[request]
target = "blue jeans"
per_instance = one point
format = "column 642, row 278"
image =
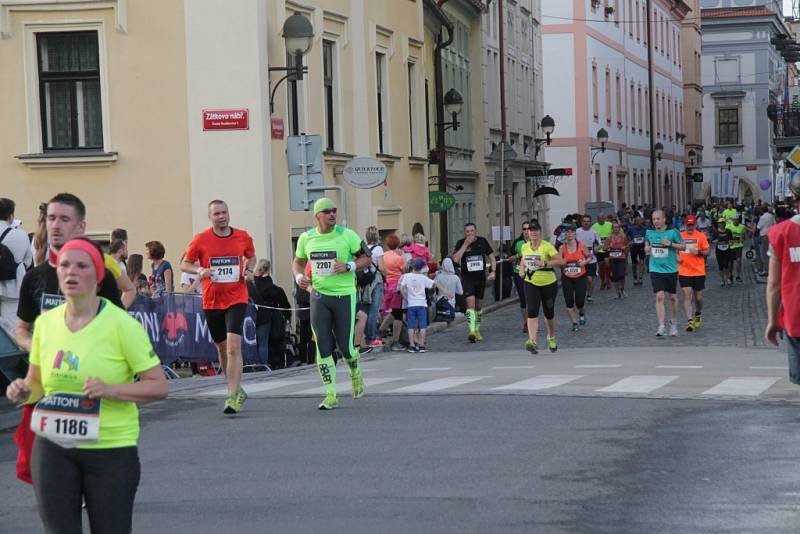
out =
column 371, row 330
column 262, row 342
column 793, row 344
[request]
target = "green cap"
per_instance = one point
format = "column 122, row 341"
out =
column 323, row 204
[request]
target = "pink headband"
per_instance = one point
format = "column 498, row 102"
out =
column 91, row 250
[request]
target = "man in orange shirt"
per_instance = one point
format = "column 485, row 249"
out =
column 226, row 256
column 692, row 271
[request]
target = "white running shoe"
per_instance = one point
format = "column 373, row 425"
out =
column 662, row 331
column 673, row 330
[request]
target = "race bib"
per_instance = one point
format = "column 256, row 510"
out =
column 322, row 262
column 533, row 262
column 50, row 301
column 659, row 252
column 67, row 419
column 615, row 253
column 225, row 269
column 572, row 269
column 691, row 246
column 638, row 240
column 475, row 264
column 722, row 246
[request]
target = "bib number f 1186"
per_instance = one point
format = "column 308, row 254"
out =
column 225, row 269
column 67, row 419
column 572, row 269
column 322, row 262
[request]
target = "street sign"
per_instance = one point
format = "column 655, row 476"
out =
column 440, row 201
column 697, row 177
column 503, row 151
column 297, row 186
column 794, row 157
column 226, row 119
column 277, row 129
column 364, row 173
column 304, row 150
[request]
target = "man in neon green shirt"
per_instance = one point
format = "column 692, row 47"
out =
column 739, row 232
column 729, row 212
column 336, row 253
column 603, row 229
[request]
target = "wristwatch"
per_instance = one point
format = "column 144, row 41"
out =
column 351, row 266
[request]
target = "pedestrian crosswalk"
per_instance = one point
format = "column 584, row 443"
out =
column 600, row 383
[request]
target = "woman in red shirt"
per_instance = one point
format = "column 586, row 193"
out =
column 573, row 276
column 394, row 262
column 617, row 246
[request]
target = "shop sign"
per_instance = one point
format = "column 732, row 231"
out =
column 440, row 201
column 364, row 173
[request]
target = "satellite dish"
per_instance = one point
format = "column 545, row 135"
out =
column 545, row 190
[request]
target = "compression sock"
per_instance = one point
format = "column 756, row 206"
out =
column 327, row 371
column 353, row 366
column 473, row 319
column 478, row 316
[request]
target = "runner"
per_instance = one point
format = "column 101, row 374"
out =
column 739, row 232
column 590, row 240
column 636, row 233
column 518, row 282
column 729, row 212
column 335, row 253
column 661, row 244
column 83, row 359
column 722, row 250
column 617, row 245
column 783, row 289
column 603, row 229
column 471, row 253
column 221, row 251
column 541, row 287
column 574, row 279
column 692, row 272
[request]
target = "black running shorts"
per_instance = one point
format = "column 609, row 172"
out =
column 697, row 283
column 667, row 282
column 591, row 270
column 474, row 286
column 227, row 321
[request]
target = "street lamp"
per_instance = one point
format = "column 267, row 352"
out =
column 453, row 103
column 298, row 35
column 548, row 125
column 602, row 138
column 692, row 154
column 659, row 149
column 729, row 162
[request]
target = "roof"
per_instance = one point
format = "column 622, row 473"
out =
column 737, row 12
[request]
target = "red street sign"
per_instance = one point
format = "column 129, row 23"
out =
column 751, row 168
column 277, row 129
column 226, row 119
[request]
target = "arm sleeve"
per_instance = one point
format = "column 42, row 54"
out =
column 300, row 251
column 136, row 347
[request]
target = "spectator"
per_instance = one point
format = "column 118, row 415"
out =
column 392, row 299
column 120, row 234
column 405, row 247
column 419, row 251
column 445, row 307
column 161, row 280
column 372, row 238
column 307, row 350
column 764, row 223
column 118, row 249
column 39, row 241
column 270, row 322
column 190, row 283
column 17, row 260
column 135, row 266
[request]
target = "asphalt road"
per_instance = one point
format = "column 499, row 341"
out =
column 459, row 464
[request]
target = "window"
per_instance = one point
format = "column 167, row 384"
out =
column 598, row 186
column 728, row 126
column 595, row 96
column 647, row 106
column 380, row 85
column 608, row 96
column 619, row 101
column 634, row 15
column 639, row 98
column 294, row 92
column 611, row 185
column 666, row 31
column 412, row 108
column 69, row 91
column 330, row 99
column 658, row 117
column 654, row 24
column 669, row 118
column 726, row 70
column 662, row 32
column 644, row 21
column 630, row 17
column 632, row 118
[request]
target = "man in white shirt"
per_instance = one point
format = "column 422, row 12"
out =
column 20, row 246
column 765, row 222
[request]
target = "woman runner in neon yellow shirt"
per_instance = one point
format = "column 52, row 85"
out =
column 83, row 359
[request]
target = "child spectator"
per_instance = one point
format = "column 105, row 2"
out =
column 413, row 286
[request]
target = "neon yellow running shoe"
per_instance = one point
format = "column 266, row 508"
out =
column 478, row 336
column 552, row 345
column 530, row 346
column 232, row 404
column 358, row 386
column 472, row 337
column 329, row 403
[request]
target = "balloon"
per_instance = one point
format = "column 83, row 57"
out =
column 765, row 184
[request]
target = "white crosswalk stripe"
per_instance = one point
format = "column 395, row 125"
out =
column 742, row 386
column 344, row 386
column 259, row 387
column 539, row 382
column 638, row 384
column 438, row 384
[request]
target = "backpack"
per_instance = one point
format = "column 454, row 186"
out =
column 8, row 267
column 365, row 277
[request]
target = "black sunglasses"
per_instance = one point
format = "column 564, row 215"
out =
column 329, row 211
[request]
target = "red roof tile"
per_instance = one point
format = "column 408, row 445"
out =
column 737, row 12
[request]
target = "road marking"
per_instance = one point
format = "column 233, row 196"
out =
column 679, row 366
column 345, row 386
column 257, row 387
column 747, row 386
column 429, row 369
column 599, row 366
column 540, row 382
column 438, row 384
column 638, row 384
column 770, row 367
column 514, row 367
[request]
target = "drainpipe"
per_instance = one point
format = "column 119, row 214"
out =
column 653, row 179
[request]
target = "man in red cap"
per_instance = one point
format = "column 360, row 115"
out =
column 692, row 272
column 783, row 289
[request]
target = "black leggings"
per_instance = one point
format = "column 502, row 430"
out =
column 619, row 269
column 106, row 479
column 574, row 291
column 544, row 295
column 519, row 284
column 333, row 317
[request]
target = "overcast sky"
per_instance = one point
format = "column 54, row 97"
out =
column 787, row 7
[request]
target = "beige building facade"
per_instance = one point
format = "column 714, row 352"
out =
column 692, row 42
column 107, row 99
